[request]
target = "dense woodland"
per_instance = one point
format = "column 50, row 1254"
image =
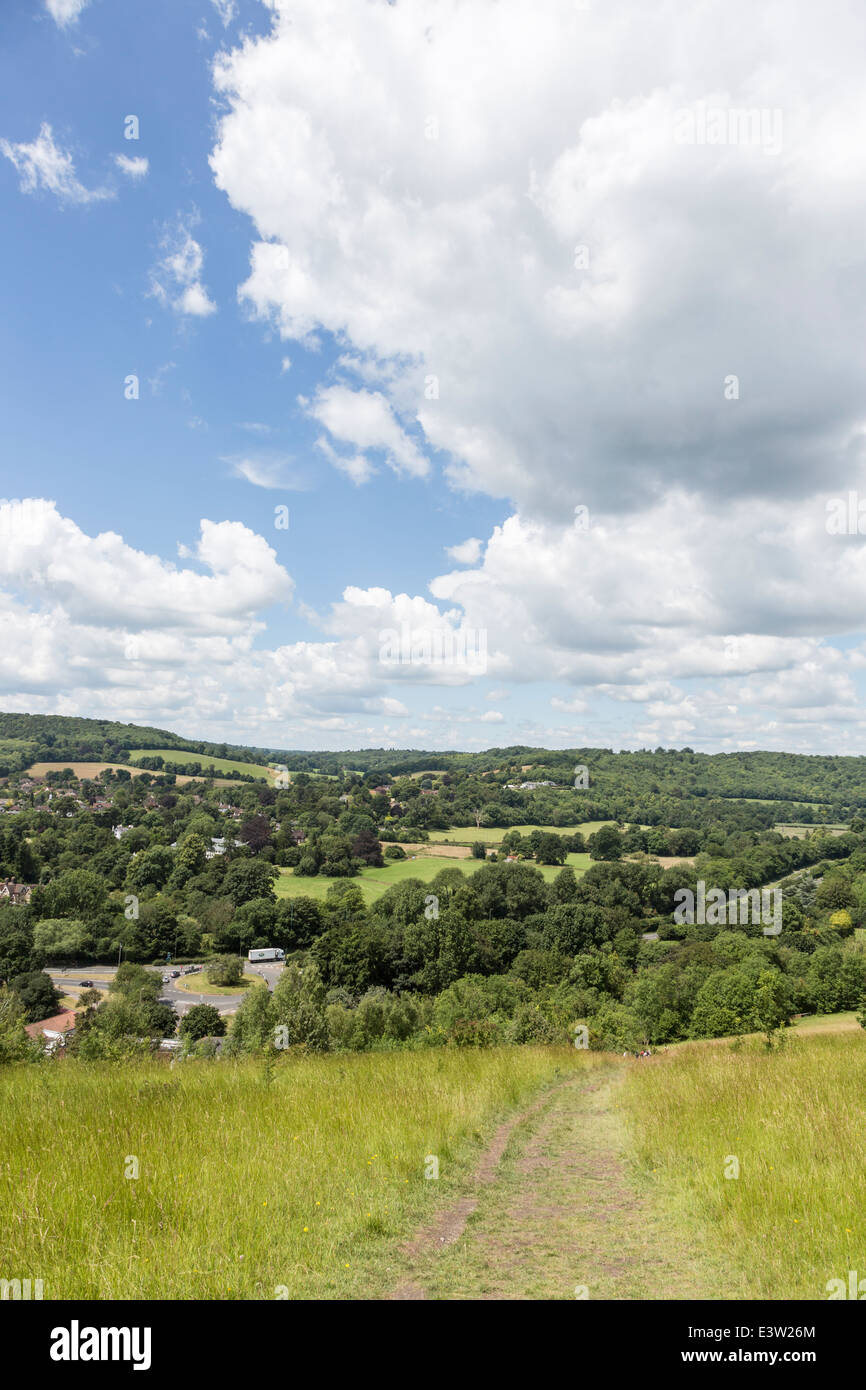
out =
column 140, row 867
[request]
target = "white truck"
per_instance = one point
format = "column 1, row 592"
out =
column 270, row 953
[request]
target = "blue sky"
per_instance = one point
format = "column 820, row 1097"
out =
column 430, row 225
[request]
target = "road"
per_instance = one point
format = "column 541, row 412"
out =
column 69, row 982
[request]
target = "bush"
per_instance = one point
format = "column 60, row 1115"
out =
column 202, row 1021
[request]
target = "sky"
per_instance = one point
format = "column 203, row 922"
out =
column 444, row 374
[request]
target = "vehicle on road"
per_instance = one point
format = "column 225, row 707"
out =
column 269, row 953
column 86, row 984
column 174, row 974
column 166, row 979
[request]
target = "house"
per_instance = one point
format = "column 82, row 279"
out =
column 119, row 830
column 218, row 846
column 17, row 893
column 56, row 1030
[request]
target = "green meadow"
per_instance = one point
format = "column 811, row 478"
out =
column 760, row 1154
column 243, row 1180
column 227, row 766
column 374, row 882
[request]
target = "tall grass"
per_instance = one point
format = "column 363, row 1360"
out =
column 795, row 1122
column 256, row 1179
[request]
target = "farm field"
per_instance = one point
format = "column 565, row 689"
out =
column 374, row 882
column 224, row 765
column 301, row 1175
column 92, row 770
column 493, row 835
column 801, row 831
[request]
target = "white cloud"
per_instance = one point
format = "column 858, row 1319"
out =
column 65, row 12
column 467, row 552
column 226, row 9
column 44, row 165
column 134, row 166
column 365, row 420
column 176, row 279
column 265, row 472
column 102, row 581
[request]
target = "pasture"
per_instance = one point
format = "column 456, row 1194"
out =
column 374, row 882
column 227, row 766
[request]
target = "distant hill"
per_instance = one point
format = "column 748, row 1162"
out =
column 829, row 784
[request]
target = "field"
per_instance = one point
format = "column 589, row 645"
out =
column 81, row 769
column 92, row 771
column 374, row 882
column 293, row 1179
column 225, row 765
column 799, row 832
column 790, row 1123
column 493, row 835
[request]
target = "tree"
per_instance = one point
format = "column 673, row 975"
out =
column 479, row 849
column 61, row 939
column 605, row 844
column 367, row 847
column 151, row 868
column 772, row 1006
column 550, row 849
column 299, row 1015
column 247, row 879
column 17, row 954
column 134, row 982
column 37, row 994
column 78, row 894
column 203, row 1021
column 256, row 832
column 15, row 1045
column 224, row 970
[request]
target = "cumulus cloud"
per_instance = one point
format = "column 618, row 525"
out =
column 579, row 279
column 467, row 552
column 44, row 165
column 364, row 420
column 176, row 278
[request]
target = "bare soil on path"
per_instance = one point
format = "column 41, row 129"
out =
column 556, row 1209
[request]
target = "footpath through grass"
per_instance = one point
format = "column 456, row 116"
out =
column 764, row 1150
column 255, row 1180
column 568, row 1216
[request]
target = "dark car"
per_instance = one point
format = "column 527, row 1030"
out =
column 86, row 984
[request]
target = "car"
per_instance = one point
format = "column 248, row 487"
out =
column 174, row 974
column 86, row 984
column 166, row 979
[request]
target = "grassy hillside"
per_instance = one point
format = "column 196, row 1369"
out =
column 299, row 1175
column 793, row 1121
column 174, row 756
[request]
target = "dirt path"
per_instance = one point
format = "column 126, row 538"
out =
column 555, row 1212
